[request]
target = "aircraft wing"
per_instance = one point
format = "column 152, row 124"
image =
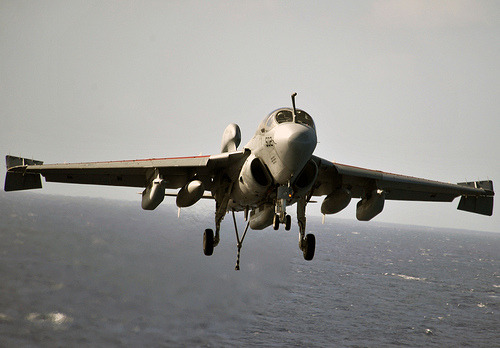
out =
column 23, row 174
column 476, row 196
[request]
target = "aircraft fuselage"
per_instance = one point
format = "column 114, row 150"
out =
column 280, row 149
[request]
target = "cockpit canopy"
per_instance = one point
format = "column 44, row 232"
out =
column 286, row 115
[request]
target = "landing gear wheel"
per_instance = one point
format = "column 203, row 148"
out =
column 288, row 222
column 208, row 242
column 309, row 247
column 276, row 222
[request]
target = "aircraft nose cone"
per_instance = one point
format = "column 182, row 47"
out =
column 294, row 144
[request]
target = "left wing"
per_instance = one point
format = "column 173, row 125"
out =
column 374, row 187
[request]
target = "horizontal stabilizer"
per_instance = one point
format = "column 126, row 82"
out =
column 19, row 181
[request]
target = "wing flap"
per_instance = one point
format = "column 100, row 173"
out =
column 97, row 177
column 405, row 195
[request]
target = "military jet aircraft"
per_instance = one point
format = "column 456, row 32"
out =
column 275, row 170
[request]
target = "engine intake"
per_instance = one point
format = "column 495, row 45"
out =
column 306, row 178
column 253, row 181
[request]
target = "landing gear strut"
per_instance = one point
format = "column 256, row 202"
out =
column 210, row 241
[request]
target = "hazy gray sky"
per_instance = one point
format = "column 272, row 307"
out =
column 409, row 87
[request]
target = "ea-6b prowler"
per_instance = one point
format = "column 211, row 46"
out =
column 276, row 169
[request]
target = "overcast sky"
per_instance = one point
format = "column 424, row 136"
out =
column 409, row 87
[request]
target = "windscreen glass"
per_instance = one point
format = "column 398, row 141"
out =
column 284, row 116
column 304, row 118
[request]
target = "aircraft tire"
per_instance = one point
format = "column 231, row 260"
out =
column 208, row 242
column 276, row 222
column 288, row 223
column 310, row 246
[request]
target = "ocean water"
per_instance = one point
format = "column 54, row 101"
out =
column 92, row 272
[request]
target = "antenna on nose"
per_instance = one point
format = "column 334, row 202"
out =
column 293, row 104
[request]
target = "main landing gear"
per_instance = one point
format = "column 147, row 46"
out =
column 208, row 242
column 284, row 193
column 307, row 243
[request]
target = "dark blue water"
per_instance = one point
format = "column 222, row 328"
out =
column 88, row 272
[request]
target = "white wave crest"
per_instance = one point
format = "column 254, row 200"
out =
column 407, row 277
column 55, row 318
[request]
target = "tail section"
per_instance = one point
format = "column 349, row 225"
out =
column 17, row 178
column 481, row 204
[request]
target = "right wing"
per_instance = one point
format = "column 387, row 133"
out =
column 23, row 174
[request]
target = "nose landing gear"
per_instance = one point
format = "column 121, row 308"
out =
column 285, row 192
column 287, row 222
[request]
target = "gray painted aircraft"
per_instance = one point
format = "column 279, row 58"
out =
column 274, row 170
